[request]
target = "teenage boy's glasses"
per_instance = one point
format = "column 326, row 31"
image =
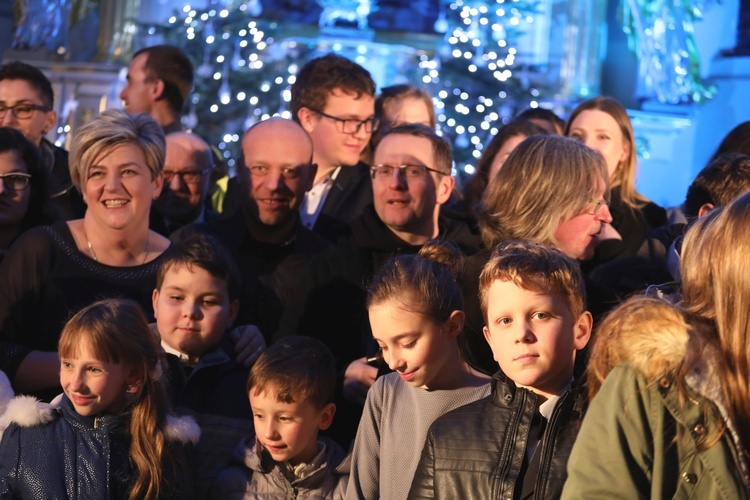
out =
column 410, row 172
column 186, row 176
column 351, row 126
column 22, row 111
column 15, row 181
column 593, row 206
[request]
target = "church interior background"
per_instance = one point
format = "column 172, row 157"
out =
column 681, row 68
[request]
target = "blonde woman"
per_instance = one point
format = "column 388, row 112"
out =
column 603, row 125
column 671, row 419
column 51, row 272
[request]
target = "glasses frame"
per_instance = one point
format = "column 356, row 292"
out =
column 14, row 110
column 373, row 121
column 4, row 178
column 376, row 166
column 170, row 174
column 598, row 207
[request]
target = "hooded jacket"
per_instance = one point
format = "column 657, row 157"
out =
column 642, row 435
column 75, row 456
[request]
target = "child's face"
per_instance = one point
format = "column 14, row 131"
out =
column 534, row 336
column 289, row 431
column 192, row 309
column 94, row 386
column 415, row 347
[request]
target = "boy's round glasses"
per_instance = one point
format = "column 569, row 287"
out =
column 410, row 172
column 15, row 181
column 22, row 111
column 351, row 126
column 186, row 176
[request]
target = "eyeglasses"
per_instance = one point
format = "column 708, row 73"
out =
column 286, row 173
column 593, row 206
column 410, row 172
column 16, row 181
column 351, row 126
column 22, row 111
column 186, row 176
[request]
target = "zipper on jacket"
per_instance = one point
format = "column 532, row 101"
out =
column 510, row 441
column 546, row 458
column 96, row 422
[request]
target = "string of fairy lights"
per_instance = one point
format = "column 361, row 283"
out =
column 244, row 73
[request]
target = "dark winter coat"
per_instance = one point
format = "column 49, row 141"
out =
column 76, row 456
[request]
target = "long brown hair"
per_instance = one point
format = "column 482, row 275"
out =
column 116, row 331
column 716, row 289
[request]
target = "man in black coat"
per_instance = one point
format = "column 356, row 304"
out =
column 270, row 245
column 333, row 99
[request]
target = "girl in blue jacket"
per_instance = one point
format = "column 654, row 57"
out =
column 110, row 434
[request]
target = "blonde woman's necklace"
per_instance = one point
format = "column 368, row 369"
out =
column 96, row 259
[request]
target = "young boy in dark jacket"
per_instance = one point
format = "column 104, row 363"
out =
column 515, row 443
column 195, row 303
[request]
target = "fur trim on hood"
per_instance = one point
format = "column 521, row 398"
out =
column 27, row 411
column 649, row 334
column 653, row 337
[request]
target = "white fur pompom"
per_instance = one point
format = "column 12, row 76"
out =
column 182, row 429
column 26, row 411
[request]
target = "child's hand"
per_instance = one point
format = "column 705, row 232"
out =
column 249, row 344
column 358, row 379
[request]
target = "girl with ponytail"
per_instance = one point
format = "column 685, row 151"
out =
column 111, row 435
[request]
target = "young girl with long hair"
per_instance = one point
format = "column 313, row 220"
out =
column 110, row 436
column 415, row 309
column 671, row 418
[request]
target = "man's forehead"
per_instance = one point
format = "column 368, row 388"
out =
column 404, row 146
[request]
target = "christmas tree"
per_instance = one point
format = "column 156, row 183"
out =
column 245, row 67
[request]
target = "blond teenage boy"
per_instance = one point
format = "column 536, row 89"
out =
column 515, row 443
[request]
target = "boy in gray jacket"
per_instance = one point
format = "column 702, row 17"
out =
column 291, row 389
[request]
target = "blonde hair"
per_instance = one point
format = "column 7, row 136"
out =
column 546, row 180
column 624, row 175
column 537, row 268
column 113, row 128
column 716, row 288
column 116, row 331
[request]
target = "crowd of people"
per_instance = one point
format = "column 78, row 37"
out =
column 341, row 319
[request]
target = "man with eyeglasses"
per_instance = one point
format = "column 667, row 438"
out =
column 188, row 171
column 26, row 104
column 270, row 245
column 411, row 179
column 333, row 99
